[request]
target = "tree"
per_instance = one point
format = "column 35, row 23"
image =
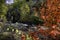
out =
column 3, row 10
column 23, row 8
column 2, row 1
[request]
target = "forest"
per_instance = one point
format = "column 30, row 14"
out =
column 29, row 19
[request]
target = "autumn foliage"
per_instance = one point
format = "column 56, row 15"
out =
column 50, row 13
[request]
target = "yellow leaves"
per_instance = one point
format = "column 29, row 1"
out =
column 24, row 11
column 28, row 37
column 17, row 30
column 12, row 30
column 25, row 8
column 7, row 29
column 3, row 9
column 20, row 32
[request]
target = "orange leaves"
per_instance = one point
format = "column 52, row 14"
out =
column 43, row 17
column 34, row 35
column 58, row 20
column 52, row 12
column 54, row 33
column 23, row 37
column 54, row 26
